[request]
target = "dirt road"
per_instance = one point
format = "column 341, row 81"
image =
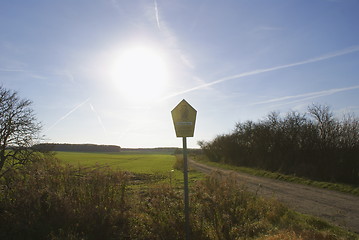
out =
column 335, row 207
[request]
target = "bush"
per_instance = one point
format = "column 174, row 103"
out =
column 179, row 165
column 315, row 146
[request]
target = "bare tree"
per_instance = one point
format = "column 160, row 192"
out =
column 327, row 125
column 18, row 129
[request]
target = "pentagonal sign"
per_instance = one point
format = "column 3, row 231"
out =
column 184, row 119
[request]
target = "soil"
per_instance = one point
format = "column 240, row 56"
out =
column 338, row 208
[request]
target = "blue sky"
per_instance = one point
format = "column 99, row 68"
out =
column 111, row 71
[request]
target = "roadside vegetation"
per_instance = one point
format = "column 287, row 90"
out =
column 345, row 188
column 313, row 145
column 47, row 199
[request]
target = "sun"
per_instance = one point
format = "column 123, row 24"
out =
column 140, row 74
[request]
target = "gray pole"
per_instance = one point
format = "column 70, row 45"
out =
column 186, row 197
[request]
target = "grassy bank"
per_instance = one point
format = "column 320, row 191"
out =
column 274, row 175
column 52, row 200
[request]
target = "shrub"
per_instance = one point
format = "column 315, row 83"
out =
column 179, row 163
column 313, row 145
column 48, row 199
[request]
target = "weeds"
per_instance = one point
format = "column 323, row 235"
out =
column 48, row 200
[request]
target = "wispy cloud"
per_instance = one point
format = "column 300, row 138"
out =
column 43, row 74
column 157, row 15
column 266, row 29
column 67, row 114
column 306, row 96
column 30, row 74
column 271, row 69
column 348, row 111
column 67, row 74
column 115, row 4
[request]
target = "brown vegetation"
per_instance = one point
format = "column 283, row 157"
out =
column 47, row 200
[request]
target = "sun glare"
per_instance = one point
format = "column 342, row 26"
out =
column 141, row 74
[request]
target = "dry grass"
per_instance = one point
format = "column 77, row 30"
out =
column 48, row 200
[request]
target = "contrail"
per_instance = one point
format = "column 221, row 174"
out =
column 306, row 96
column 36, row 73
column 258, row 71
column 157, row 15
column 98, row 118
column 67, row 114
column 11, row 70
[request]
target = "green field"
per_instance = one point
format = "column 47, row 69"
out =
column 136, row 162
column 139, row 163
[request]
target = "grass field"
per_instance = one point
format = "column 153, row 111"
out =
column 136, row 162
column 139, row 163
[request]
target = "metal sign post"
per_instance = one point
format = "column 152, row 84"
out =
column 184, row 119
column 186, row 194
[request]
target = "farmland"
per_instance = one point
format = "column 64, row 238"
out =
column 152, row 163
column 133, row 162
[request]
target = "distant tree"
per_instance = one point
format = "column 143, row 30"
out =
column 18, row 129
column 46, row 147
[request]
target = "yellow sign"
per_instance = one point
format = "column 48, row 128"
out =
column 184, row 119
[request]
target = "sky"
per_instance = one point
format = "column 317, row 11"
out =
column 111, row 71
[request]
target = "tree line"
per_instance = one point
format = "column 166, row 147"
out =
column 66, row 147
column 315, row 145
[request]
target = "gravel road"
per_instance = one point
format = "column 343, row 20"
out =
column 335, row 207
